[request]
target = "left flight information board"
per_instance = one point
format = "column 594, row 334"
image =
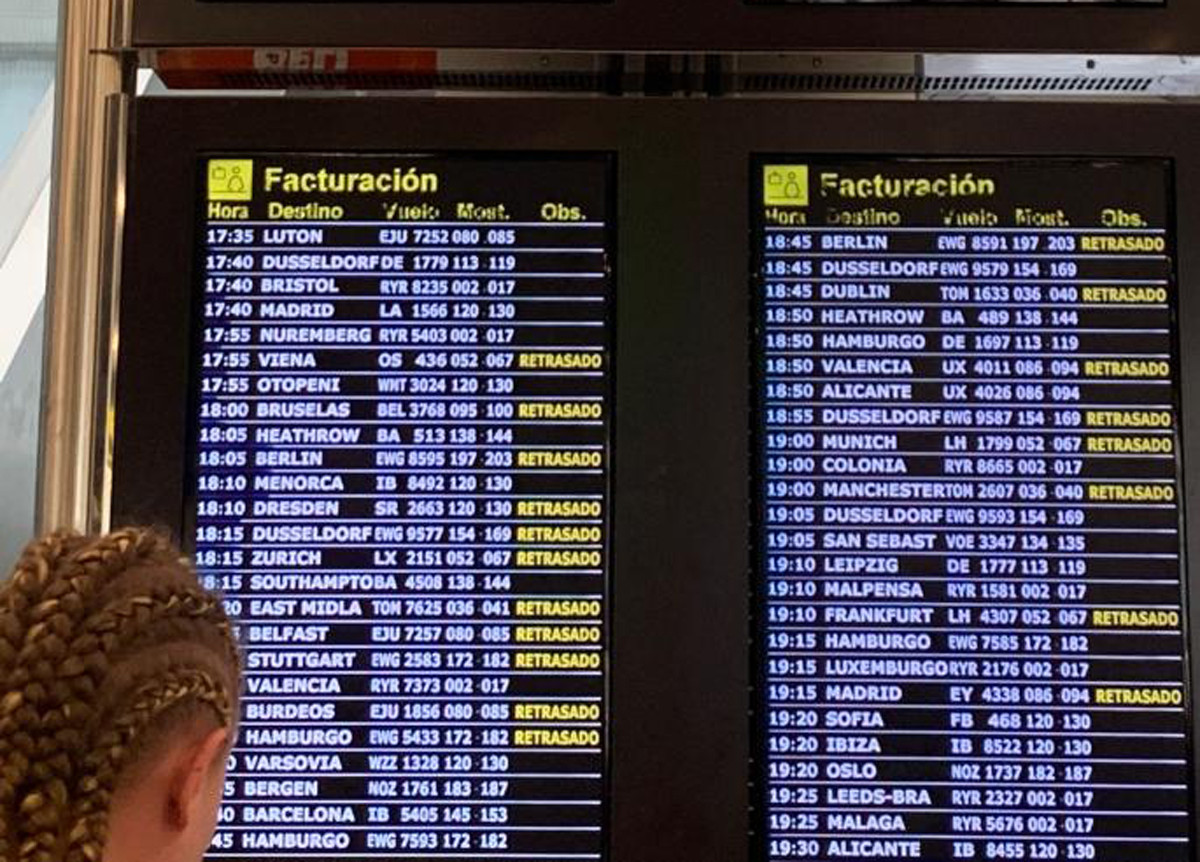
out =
column 400, row 457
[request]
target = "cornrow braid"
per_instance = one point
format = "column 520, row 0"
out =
column 26, row 584
column 103, row 764
column 106, row 644
column 45, row 597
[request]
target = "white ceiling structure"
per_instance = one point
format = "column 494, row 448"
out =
column 28, row 23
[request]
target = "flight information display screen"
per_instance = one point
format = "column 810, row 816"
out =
column 970, row 634
column 401, row 456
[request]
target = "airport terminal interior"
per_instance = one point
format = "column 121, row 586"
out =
column 635, row 430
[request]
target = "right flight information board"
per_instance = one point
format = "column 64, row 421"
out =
column 970, row 620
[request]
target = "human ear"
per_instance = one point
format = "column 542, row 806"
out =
column 191, row 777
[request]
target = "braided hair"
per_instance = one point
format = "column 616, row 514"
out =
column 107, row 645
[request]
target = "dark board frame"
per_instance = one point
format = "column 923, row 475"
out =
column 680, row 732
column 712, row 26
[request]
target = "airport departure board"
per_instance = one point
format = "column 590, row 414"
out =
column 401, row 455
column 970, row 629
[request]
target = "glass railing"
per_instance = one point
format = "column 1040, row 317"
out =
column 27, row 64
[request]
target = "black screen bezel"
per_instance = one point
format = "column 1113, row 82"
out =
column 607, row 160
column 715, row 26
column 192, row 446
column 170, row 135
column 680, row 669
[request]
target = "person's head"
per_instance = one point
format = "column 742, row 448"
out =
column 119, row 684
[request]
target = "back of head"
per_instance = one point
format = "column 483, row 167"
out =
column 108, row 646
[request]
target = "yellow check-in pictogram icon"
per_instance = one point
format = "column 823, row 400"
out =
column 230, row 179
column 785, row 185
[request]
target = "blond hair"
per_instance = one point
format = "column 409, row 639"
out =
column 107, row 645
